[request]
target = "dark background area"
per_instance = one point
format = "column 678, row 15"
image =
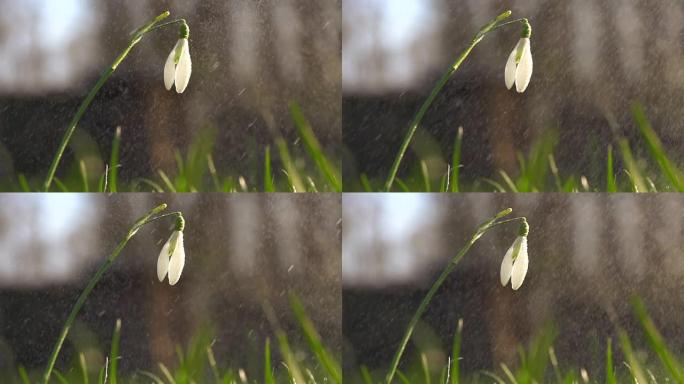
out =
column 592, row 60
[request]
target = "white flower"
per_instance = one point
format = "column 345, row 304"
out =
column 515, row 263
column 178, row 66
column 519, row 66
column 171, row 258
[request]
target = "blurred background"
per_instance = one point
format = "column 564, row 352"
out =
column 588, row 255
column 250, row 60
column 241, row 253
column 591, row 61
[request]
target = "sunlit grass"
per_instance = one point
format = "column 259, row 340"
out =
column 623, row 361
column 640, row 165
column 278, row 361
column 302, row 166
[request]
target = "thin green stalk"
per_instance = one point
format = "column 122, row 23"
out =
column 91, row 95
column 456, row 354
column 456, row 160
column 482, row 229
column 114, row 160
column 147, row 218
column 114, row 353
column 435, row 91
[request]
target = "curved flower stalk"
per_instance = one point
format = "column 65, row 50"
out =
column 178, row 66
column 516, row 261
column 493, row 25
column 519, row 65
column 481, row 230
column 181, row 78
column 172, row 256
column 149, row 217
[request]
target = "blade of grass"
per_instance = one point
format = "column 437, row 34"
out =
column 268, row 176
column 365, row 375
column 268, row 372
column 403, row 378
column 114, row 353
column 402, row 185
column 84, row 367
column 456, row 354
column 632, row 360
column 313, row 147
column 507, row 179
column 314, row 340
column 23, row 375
column 426, row 177
column 293, row 367
column 23, row 183
column 555, row 173
column 610, row 369
column 84, row 175
column 167, row 374
column 456, row 160
column 632, row 166
column 290, row 170
column 554, row 364
column 60, row 377
column 61, row 185
column 655, row 340
column 114, row 160
column 496, row 185
column 610, row 172
column 673, row 174
column 365, row 183
column 492, row 375
column 425, row 367
column 167, row 181
column 213, row 365
column 508, row 373
column 212, row 171
column 435, row 91
column 157, row 379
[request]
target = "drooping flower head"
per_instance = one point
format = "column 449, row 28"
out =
column 515, row 262
column 172, row 256
column 519, row 65
column 178, row 65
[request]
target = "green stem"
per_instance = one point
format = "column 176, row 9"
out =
column 147, row 218
column 482, row 229
column 91, row 95
column 435, row 91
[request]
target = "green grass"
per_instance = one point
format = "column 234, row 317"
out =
column 640, row 165
column 537, row 362
column 307, row 362
column 301, row 166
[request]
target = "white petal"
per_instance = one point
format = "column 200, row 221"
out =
column 509, row 72
column 507, row 264
column 184, row 67
column 523, row 73
column 177, row 260
column 170, row 68
column 520, row 266
column 163, row 260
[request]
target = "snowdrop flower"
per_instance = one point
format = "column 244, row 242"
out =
column 519, row 65
column 178, row 65
column 172, row 256
column 515, row 262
